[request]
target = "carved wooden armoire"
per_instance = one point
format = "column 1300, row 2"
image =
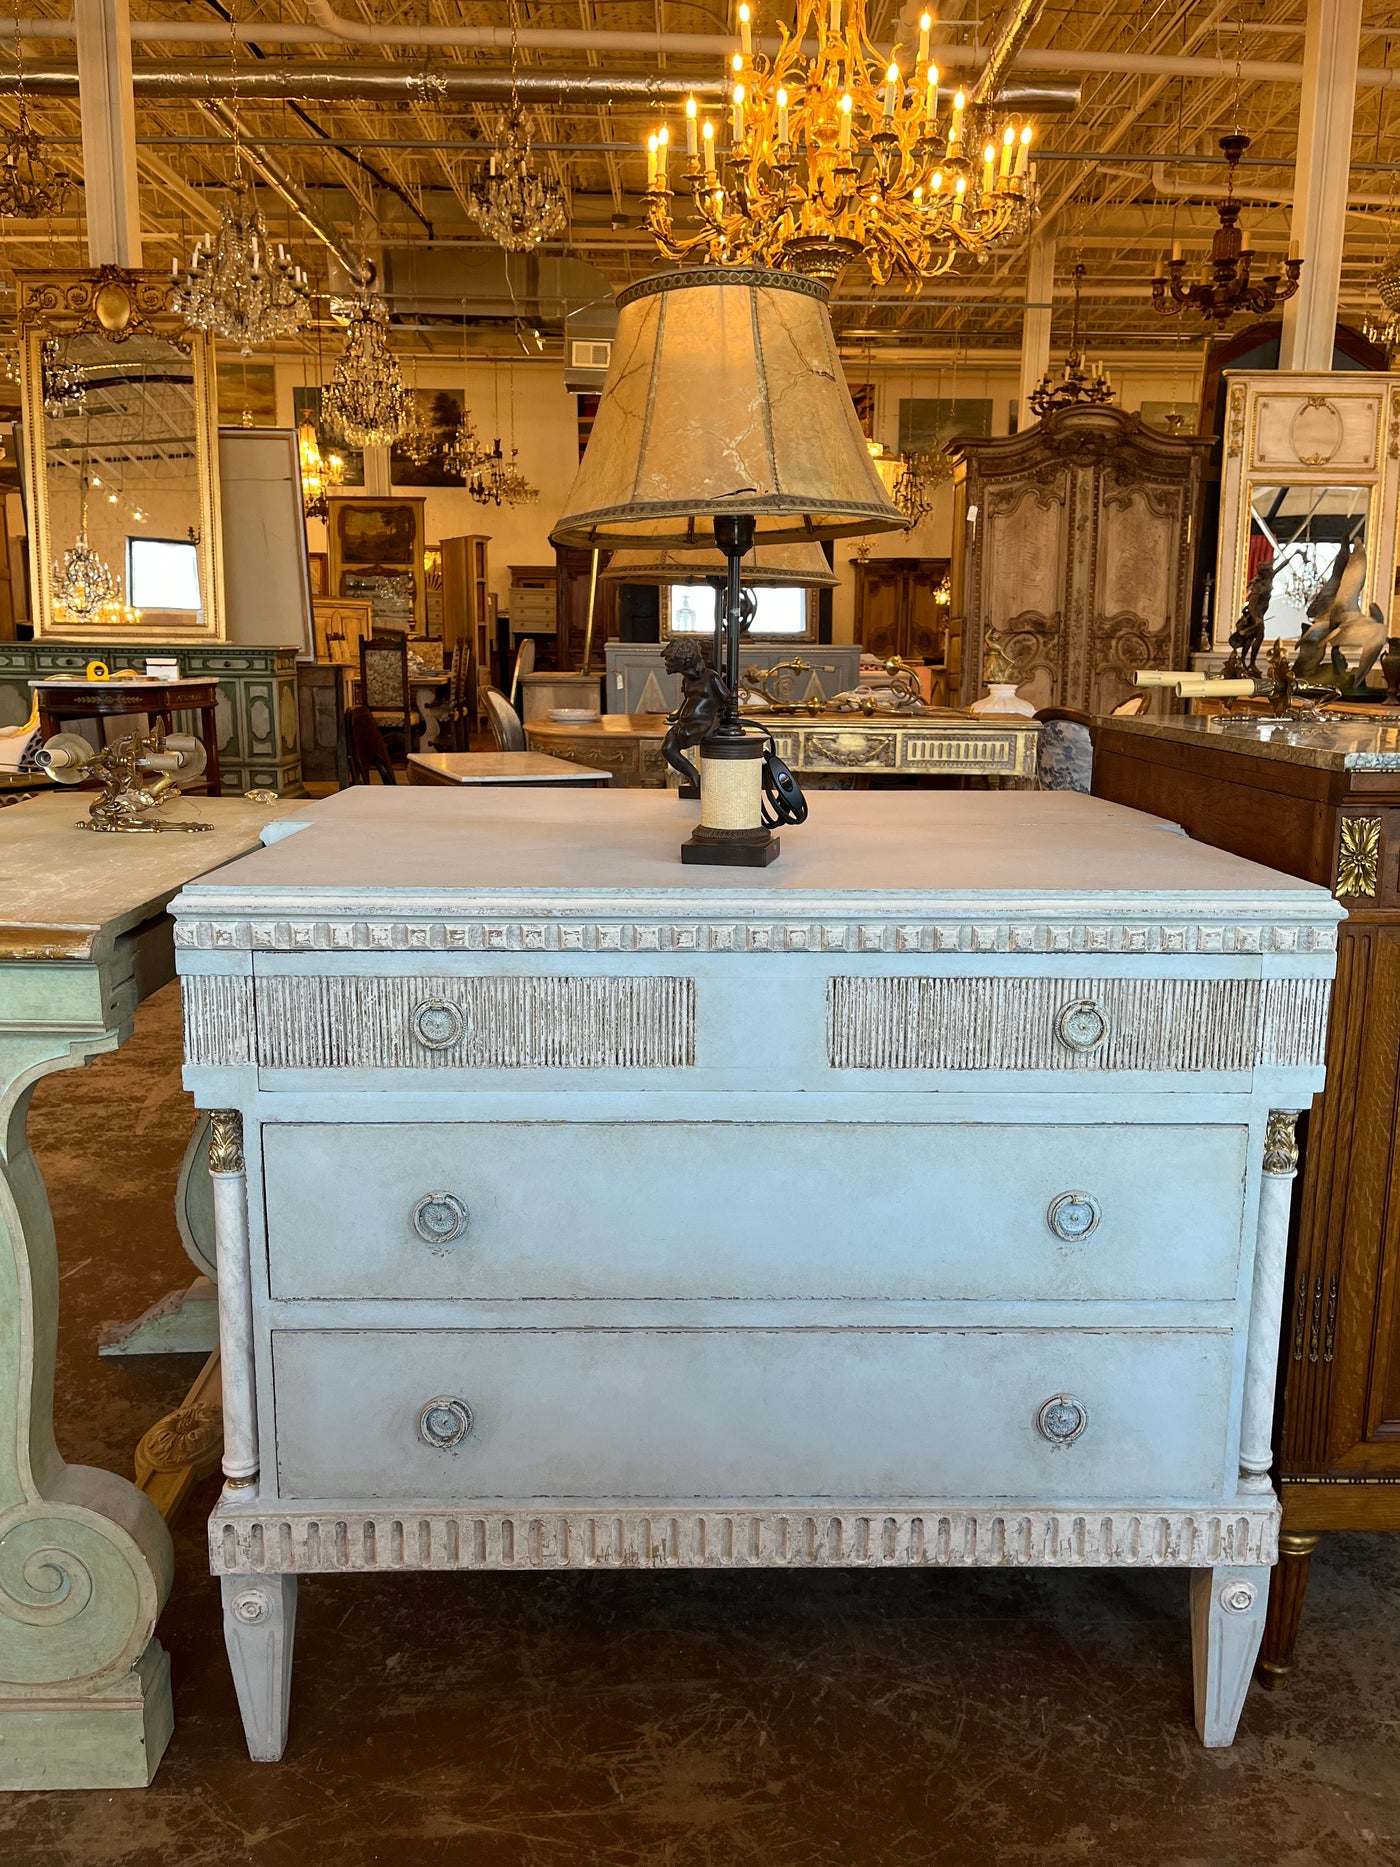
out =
column 1073, row 548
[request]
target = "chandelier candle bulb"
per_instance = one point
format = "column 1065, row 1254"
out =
column 708, row 132
column 1023, row 156
column 834, row 17
column 1008, row 149
column 782, row 101
column 745, row 29
column 738, row 114
column 892, row 90
column 931, row 100
column 989, row 161
column 955, row 133
column 925, row 23
column 651, row 159
column 663, row 143
column 691, row 129
column 845, row 141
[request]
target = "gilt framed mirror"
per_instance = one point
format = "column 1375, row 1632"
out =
column 120, row 465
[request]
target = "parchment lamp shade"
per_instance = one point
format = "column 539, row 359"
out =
column 725, row 398
column 771, row 566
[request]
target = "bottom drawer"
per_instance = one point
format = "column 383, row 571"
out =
column 750, row 1413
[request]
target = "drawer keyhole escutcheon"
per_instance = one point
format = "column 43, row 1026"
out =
column 440, row 1218
column 1072, row 1216
column 1082, row 1026
column 444, row 1422
column 437, row 1024
column 1062, row 1419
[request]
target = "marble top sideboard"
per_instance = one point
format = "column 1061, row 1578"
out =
column 546, row 1172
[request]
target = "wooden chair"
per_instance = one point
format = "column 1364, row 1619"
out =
column 509, row 734
column 460, row 714
column 524, row 664
column 1130, row 708
column 384, row 687
column 365, row 750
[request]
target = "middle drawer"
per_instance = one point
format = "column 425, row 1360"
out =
column 672, row 1210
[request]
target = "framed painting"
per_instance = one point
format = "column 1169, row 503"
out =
column 379, row 542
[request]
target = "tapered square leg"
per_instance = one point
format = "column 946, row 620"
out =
column 1227, row 1623
column 260, row 1614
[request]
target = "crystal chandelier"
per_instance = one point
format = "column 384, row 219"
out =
column 314, row 503
column 1079, row 382
column 65, row 388
column 83, row 585
column 917, row 480
column 516, row 490
column 1225, row 284
column 238, row 284
column 516, row 205
column 1385, row 331
column 488, row 477
column 417, row 438
column 31, row 186
column 843, row 155
column 462, row 452
column 366, row 402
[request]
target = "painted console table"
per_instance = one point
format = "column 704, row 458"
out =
column 85, row 1558
column 547, row 1173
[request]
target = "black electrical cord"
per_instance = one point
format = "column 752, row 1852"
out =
column 376, row 175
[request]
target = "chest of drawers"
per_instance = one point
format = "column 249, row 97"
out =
column 919, row 1200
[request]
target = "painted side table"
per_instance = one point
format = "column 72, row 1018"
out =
column 85, row 1558
column 919, row 1200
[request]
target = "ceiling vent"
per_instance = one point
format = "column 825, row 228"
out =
column 589, row 358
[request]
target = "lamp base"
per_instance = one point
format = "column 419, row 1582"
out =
column 731, row 849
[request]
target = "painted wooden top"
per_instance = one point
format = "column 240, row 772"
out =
column 65, row 891
column 400, row 852
column 1329, row 745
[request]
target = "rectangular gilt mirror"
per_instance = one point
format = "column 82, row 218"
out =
column 121, row 461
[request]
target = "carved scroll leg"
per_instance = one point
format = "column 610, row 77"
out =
column 260, row 1615
column 1286, row 1592
column 1227, row 1623
column 182, row 1322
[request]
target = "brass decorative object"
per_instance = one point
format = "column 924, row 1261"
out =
column 226, row 1141
column 1281, row 1142
column 138, row 773
column 837, row 151
column 1226, row 284
column 1358, row 857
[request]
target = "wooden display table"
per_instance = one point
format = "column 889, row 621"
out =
column 85, row 1558
column 953, row 745
column 920, row 1200
column 1321, row 801
column 61, row 701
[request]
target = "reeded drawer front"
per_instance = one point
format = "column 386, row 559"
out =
column 917, row 1023
column 752, row 1413
column 449, row 1022
column 591, row 1209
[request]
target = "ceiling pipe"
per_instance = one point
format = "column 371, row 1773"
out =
column 356, row 268
column 406, row 84
column 672, row 44
column 1024, row 15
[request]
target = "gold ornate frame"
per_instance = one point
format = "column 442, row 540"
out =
column 111, row 302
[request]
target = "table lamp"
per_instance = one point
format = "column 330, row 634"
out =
column 725, row 415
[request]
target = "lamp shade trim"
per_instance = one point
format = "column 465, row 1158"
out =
column 707, row 276
column 811, row 522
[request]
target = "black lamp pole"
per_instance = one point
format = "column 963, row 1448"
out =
column 734, row 536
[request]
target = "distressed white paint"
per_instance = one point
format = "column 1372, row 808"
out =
column 1331, row 50
column 765, row 1304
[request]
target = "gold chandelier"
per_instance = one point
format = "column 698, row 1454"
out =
column 844, row 155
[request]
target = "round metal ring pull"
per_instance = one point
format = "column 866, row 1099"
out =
column 1062, row 1419
column 438, row 1024
column 1073, row 1216
column 440, row 1218
column 444, row 1422
column 1082, row 1026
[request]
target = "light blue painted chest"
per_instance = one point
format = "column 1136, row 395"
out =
column 921, row 1199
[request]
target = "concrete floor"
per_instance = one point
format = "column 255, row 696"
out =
column 886, row 1720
